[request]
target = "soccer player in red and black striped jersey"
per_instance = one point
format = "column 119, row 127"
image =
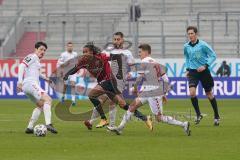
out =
column 98, row 66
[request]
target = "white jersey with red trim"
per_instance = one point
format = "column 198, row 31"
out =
column 155, row 69
column 155, row 103
column 32, row 70
column 145, row 61
column 160, row 71
column 66, row 56
column 127, row 53
column 128, row 60
column 148, row 60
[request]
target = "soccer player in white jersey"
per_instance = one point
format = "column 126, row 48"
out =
column 155, row 103
column 62, row 62
column 28, row 82
column 117, row 48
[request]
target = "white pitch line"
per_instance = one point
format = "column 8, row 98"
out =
column 10, row 120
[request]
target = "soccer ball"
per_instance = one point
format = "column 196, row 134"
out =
column 40, row 130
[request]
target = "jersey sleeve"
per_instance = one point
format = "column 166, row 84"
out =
column 107, row 52
column 160, row 69
column 105, row 56
column 75, row 54
column 130, row 58
column 21, row 70
column 211, row 54
column 186, row 58
column 27, row 61
column 60, row 60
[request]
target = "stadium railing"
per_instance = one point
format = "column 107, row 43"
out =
column 12, row 36
column 226, row 18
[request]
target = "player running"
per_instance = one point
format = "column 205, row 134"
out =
column 62, row 62
column 98, row 66
column 119, row 73
column 28, row 82
column 156, row 102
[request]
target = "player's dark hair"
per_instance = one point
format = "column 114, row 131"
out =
column 39, row 44
column 93, row 48
column 192, row 28
column 69, row 43
column 145, row 47
column 119, row 34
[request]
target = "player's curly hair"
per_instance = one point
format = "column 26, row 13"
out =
column 93, row 48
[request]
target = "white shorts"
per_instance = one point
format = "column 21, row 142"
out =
column 33, row 91
column 155, row 103
column 71, row 78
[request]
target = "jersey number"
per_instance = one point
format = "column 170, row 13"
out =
column 27, row 59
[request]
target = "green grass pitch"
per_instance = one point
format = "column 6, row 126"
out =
column 75, row 142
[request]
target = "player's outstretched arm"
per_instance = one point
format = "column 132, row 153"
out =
column 21, row 70
column 138, row 81
column 71, row 72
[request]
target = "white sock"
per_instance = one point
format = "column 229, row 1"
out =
column 171, row 120
column 35, row 115
column 73, row 94
column 63, row 96
column 47, row 113
column 125, row 119
column 59, row 95
column 112, row 115
column 74, row 98
column 94, row 116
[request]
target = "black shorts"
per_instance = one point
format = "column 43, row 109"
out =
column 110, row 87
column 204, row 77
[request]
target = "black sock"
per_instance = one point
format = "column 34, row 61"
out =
column 98, row 106
column 195, row 105
column 126, row 107
column 139, row 115
column 101, row 112
column 215, row 107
